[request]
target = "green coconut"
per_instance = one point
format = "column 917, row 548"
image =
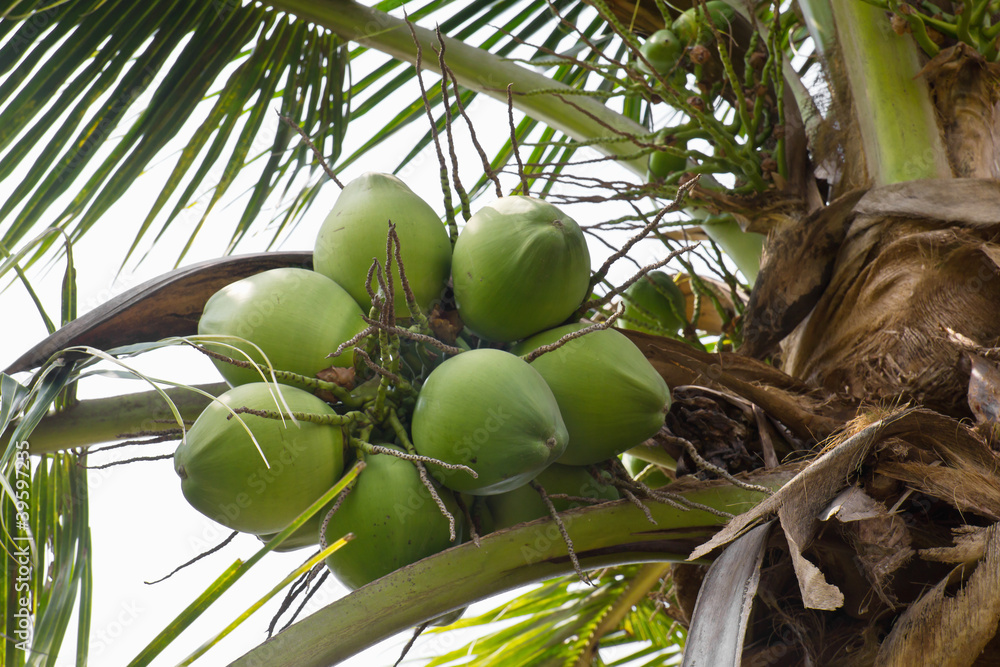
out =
column 691, row 28
column 654, row 304
column 355, row 231
column 490, row 411
column 663, row 163
column 394, row 520
column 609, row 395
column 525, row 504
column 295, row 316
column 662, row 49
column 520, row 266
column 224, row 477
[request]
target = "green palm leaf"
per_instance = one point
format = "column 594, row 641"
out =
column 122, row 82
column 104, row 59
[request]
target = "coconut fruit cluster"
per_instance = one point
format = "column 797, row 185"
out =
column 459, row 373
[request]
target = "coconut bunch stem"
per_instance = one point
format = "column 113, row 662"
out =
column 534, row 354
column 562, row 531
column 287, row 377
column 328, row 420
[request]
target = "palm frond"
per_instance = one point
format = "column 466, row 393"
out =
column 559, row 622
column 121, row 84
column 124, row 81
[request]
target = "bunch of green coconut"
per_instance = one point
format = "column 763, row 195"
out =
column 663, row 57
column 460, row 421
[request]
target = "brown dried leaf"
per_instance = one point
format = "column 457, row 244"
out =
column 880, row 539
column 817, row 484
column 970, row 545
column 168, row 305
column 445, row 324
column 964, row 489
column 343, row 377
column 942, row 630
column 719, row 622
column 796, row 268
column 799, row 502
column 969, row 202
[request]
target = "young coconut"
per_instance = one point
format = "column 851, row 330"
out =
column 664, row 163
column 520, row 266
column 354, row 233
column 691, row 27
column 224, row 477
column 525, row 504
column 492, row 412
column 654, row 304
column 295, row 316
column 663, row 49
column 394, row 519
column 609, row 395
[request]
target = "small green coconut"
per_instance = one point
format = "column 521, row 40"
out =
column 654, row 304
column 224, row 477
column 394, row 520
column 662, row 49
column 691, row 27
column 663, row 163
column 295, row 316
column 355, row 231
column 525, row 504
column 609, row 395
column 520, row 266
column 492, row 412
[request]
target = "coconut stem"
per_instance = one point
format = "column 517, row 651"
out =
column 384, row 372
column 369, row 448
column 682, row 192
column 425, row 480
column 288, row 377
column 463, row 196
column 197, row 558
column 287, row 120
column 692, row 451
column 598, row 303
column 411, row 301
column 400, row 430
column 562, row 531
column 449, row 210
column 606, row 324
column 469, row 519
column 624, row 482
column 413, row 335
column 352, row 342
column 315, row 418
column 333, row 510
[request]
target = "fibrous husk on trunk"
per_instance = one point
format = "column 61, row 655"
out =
column 919, row 259
column 963, row 84
column 896, row 500
column 943, row 629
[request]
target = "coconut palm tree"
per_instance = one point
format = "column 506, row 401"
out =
column 832, row 446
